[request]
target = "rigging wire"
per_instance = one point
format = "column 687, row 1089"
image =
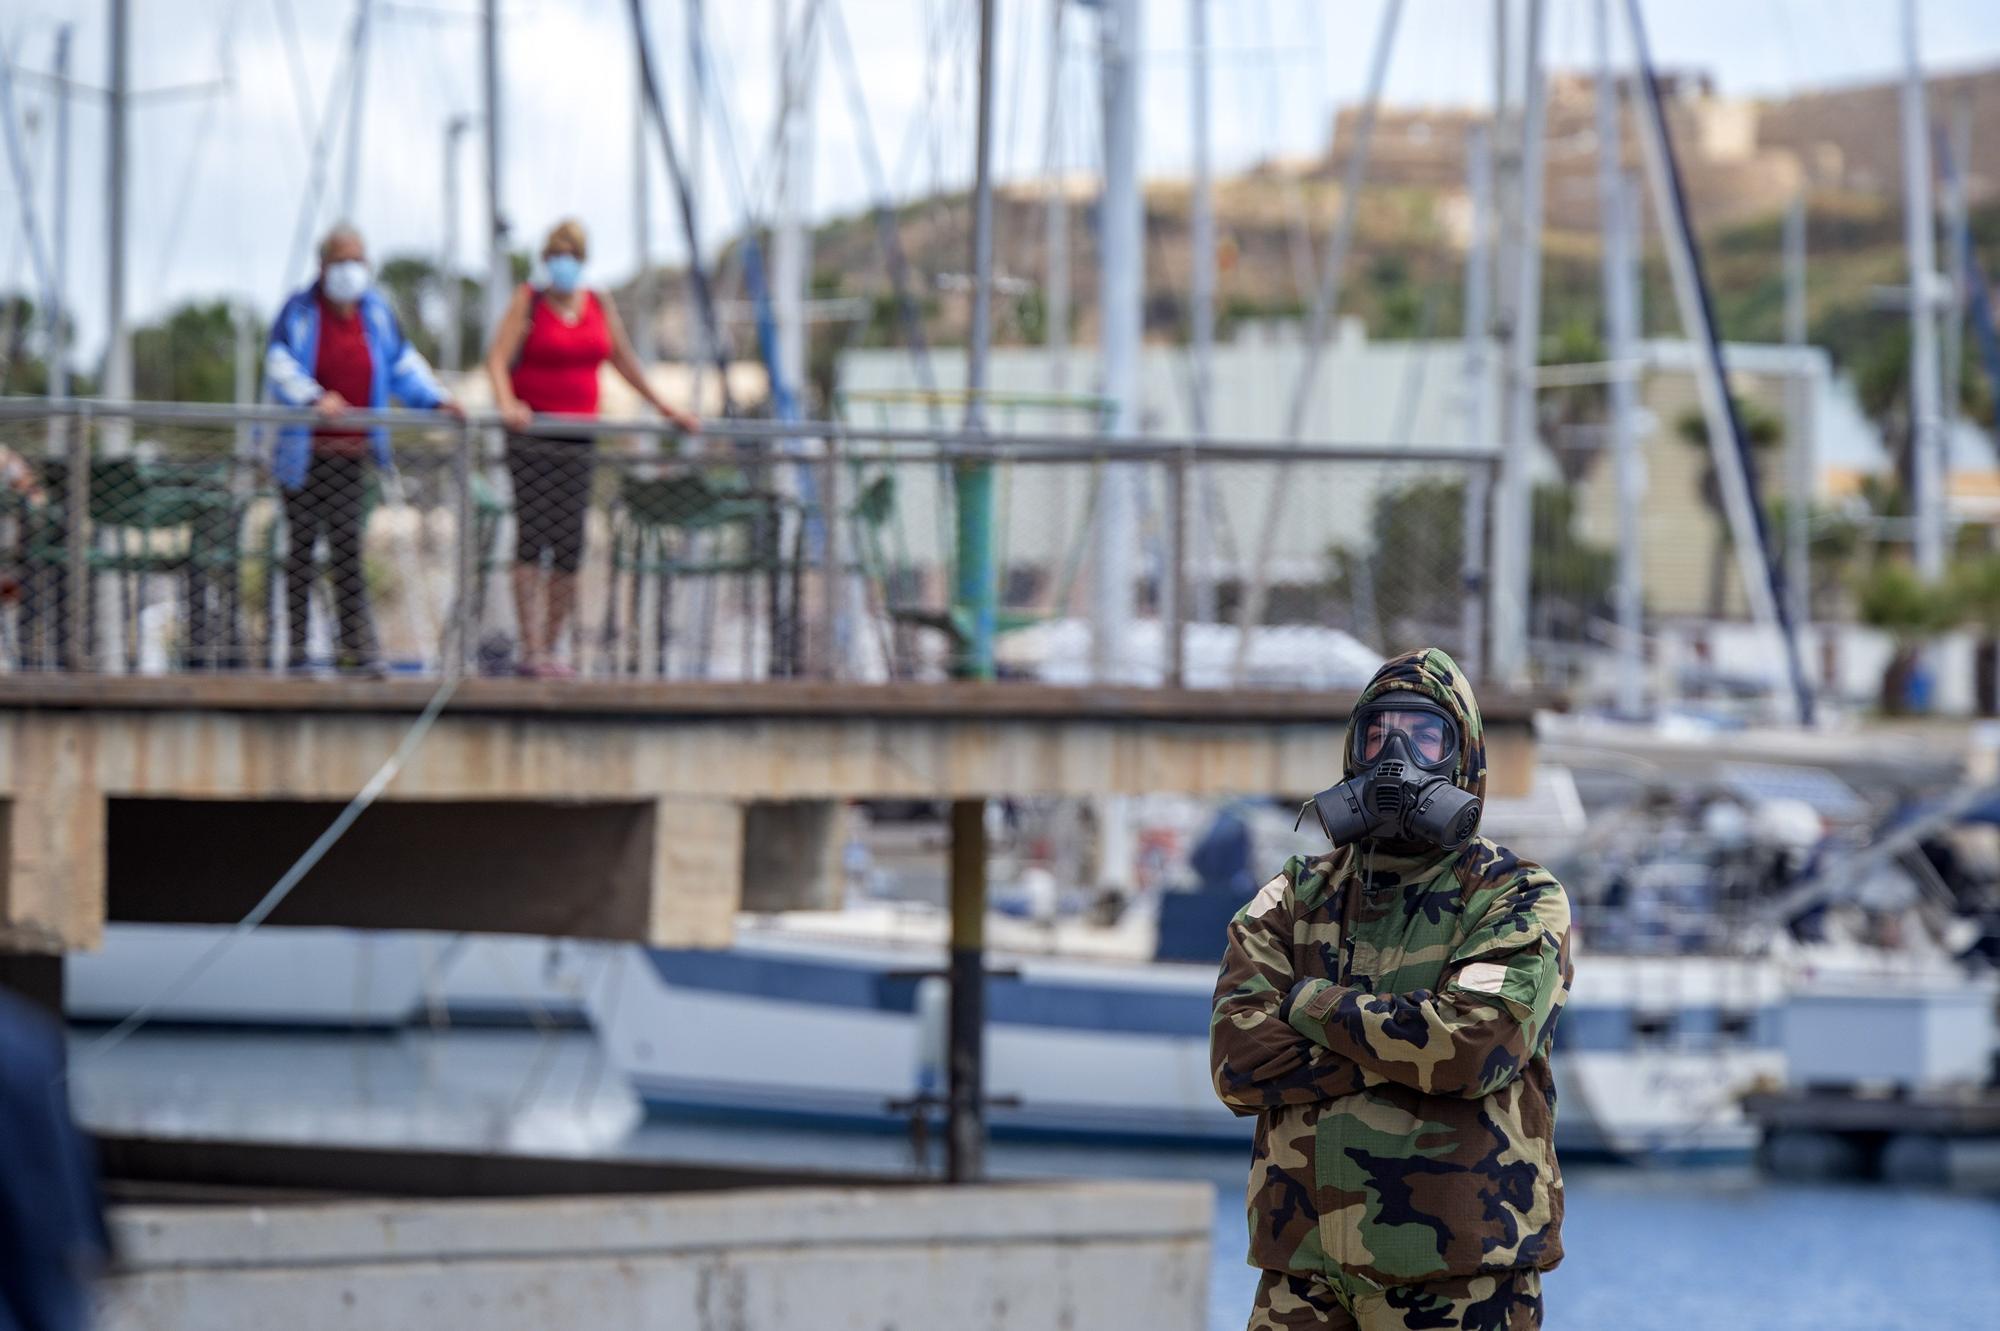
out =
column 391, row 767
column 309, row 204
column 784, row 398
column 1305, row 261
column 887, row 234
column 295, row 67
column 698, row 281
column 198, row 146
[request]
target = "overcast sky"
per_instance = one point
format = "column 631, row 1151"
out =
column 218, row 181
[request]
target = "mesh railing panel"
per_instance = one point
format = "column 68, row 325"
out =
column 269, row 547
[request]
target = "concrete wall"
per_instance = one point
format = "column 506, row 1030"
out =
column 1006, row 1257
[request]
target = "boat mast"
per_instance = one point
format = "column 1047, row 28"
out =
column 1055, row 278
column 357, row 94
column 1507, row 613
column 117, row 383
column 58, row 352
column 1477, row 388
column 1920, row 239
column 1798, row 420
column 1616, row 222
column 499, row 274
column 451, row 345
column 644, row 342
column 1727, row 450
column 1121, row 251
column 791, row 259
column 1201, row 300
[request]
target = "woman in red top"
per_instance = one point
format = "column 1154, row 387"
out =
column 544, row 362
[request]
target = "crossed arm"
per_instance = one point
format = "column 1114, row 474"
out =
column 1277, row 1039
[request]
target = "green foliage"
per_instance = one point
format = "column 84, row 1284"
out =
column 1031, row 316
column 1561, row 411
column 1762, row 428
column 1834, row 537
column 1564, row 571
column 1419, row 553
column 406, row 282
column 23, row 363
column 1891, row 597
column 190, row 357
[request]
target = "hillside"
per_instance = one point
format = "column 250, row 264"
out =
column 1744, row 161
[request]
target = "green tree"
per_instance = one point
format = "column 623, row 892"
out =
column 1560, row 412
column 1569, row 579
column 1413, row 575
column 417, row 290
column 1833, row 539
column 190, row 356
column 23, row 367
column 1881, row 370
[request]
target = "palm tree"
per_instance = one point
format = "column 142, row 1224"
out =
column 1762, row 429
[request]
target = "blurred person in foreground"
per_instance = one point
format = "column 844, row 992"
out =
column 1386, row 1011
column 52, row 1235
column 336, row 347
column 544, row 361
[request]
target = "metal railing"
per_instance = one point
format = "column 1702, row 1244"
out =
column 168, row 537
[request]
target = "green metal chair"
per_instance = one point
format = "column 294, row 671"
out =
column 706, row 523
column 147, row 519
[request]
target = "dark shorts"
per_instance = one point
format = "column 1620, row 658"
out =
column 551, row 498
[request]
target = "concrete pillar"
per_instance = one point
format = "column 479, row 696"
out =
column 51, row 839
column 791, row 855
column 697, row 872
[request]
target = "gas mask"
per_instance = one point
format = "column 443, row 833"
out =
column 1401, row 748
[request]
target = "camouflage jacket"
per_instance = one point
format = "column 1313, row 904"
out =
column 1388, row 1019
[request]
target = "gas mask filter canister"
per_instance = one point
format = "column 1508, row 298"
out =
column 1403, row 753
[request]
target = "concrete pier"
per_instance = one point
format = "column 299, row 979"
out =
column 999, row 1257
column 584, row 808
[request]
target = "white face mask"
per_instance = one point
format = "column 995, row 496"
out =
column 345, row 282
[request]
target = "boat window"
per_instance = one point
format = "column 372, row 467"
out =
column 1652, row 1025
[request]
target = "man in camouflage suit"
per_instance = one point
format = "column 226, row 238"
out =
column 1386, row 1012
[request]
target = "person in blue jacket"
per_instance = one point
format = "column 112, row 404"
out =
column 336, row 347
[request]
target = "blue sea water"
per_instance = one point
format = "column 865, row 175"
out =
column 1648, row 1250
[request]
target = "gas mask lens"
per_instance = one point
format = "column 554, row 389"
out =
column 1428, row 736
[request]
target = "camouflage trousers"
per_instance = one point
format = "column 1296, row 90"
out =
column 1508, row 1301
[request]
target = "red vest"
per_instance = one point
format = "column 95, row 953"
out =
column 343, row 365
column 556, row 371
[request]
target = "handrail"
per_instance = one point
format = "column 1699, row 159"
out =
column 990, row 442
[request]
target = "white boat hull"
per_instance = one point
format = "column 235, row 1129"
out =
column 786, row 1029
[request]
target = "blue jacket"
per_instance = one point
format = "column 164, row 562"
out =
column 400, row 371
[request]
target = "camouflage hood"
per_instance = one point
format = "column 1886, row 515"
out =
column 1432, row 673
column 1389, row 1018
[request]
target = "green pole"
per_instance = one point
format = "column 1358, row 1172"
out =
column 977, row 594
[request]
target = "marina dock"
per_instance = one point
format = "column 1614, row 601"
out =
column 301, row 1238
column 1932, row 1138
column 181, row 799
